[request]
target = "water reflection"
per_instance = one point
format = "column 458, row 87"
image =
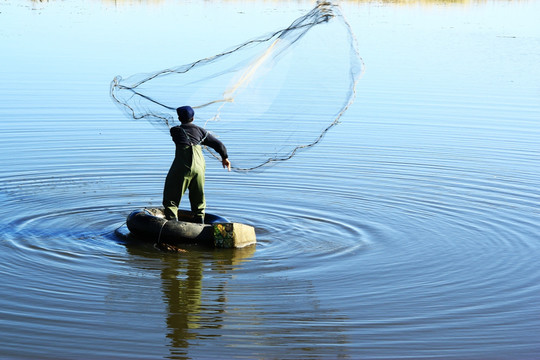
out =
column 214, row 300
column 191, row 307
column 182, row 289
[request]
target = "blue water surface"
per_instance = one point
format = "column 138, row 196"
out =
column 410, row 231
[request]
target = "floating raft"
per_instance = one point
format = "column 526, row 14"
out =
column 150, row 224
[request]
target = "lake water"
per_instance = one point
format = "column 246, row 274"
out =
column 410, row 231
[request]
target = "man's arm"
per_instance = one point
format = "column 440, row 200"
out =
column 218, row 146
column 226, row 164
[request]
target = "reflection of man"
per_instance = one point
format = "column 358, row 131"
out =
column 188, row 168
column 183, row 294
column 182, row 282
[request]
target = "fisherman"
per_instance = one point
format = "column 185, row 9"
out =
column 188, row 168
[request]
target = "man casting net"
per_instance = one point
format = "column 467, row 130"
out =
column 268, row 98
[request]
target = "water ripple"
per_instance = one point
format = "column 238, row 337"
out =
column 410, row 231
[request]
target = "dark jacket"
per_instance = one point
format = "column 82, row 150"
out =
column 190, row 134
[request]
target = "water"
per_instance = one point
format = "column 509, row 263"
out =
column 411, row 231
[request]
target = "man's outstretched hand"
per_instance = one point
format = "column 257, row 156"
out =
column 226, row 164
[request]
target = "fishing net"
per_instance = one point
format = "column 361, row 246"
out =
column 267, row 98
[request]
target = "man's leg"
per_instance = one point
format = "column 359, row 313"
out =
column 196, row 187
column 196, row 197
column 176, row 184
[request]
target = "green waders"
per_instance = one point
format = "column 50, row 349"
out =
column 186, row 173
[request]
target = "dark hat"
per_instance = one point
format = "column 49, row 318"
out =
column 185, row 114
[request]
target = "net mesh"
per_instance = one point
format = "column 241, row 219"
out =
column 267, row 98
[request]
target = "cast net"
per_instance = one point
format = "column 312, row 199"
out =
column 267, row 98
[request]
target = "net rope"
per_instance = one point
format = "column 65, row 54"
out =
column 267, row 98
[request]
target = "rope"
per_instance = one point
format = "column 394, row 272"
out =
column 160, row 231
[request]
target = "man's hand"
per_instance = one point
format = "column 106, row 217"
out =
column 226, row 164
